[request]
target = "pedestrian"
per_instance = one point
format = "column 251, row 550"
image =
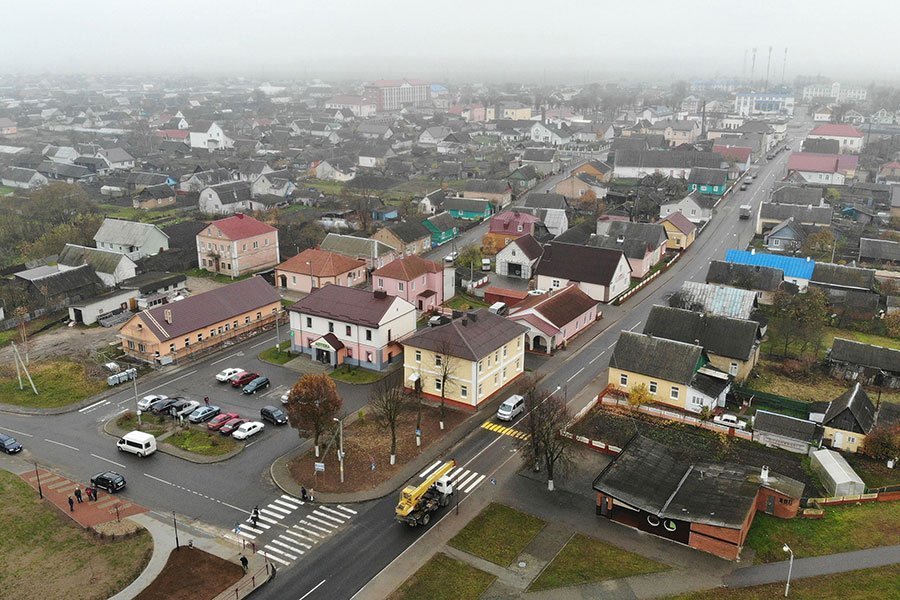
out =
column 303, row 494
column 254, row 516
column 311, row 499
column 71, row 504
column 244, row 563
column 94, row 492
column 206, row 400
column 78, row 494
column 89, row 493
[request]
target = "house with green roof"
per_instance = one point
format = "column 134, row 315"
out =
column 443, row 228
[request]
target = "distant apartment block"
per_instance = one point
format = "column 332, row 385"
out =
column 834, row 91
column 394, row 94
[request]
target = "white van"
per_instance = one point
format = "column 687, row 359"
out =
column 511, row 408
column 499, row 308
column 137, row 442
column 486, row 264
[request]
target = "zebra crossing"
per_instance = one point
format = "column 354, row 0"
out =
column 288, row 528
column 463, row 480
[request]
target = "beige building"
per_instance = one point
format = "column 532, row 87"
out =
column 313, row 268
column 237, row 245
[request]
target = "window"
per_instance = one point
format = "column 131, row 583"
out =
column 400, row 286
column 437, row 384
column 517, row 364
column 187, row 342
column 851, row 439
column 555, row 283
column 480, row 392
column 309, row 321
column 733, row 369
column 504, row 351
column 293, row 279
column 623, row 379
column 518, row 342
column 255, row 245
column 438, row 360
column 673, row 393
column 266, row 242
column 381, row 282
column 464, row 391
column 330, row 327
column 258, row 316
column 141, row 348
column 199, row 337
column 652, row 387
column 368, row 357
column 172, row 347
column 697, row 401
column 418, row 356
column 246, row 320
column 131, row 344
column 479, row 367
column 776, row 242
column 368, row 335
column 503, row 374
column 349, row 352
column 389, row 335
column 227, row 327
column 244, row 247
column 496, row 379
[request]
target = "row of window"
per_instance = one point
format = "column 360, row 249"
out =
column 674, row 391
column 348, row 329
column 216, row 331
column 212, row 245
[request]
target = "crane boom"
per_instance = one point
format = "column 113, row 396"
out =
column 411, row 494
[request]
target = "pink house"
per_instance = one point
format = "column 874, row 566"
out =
column 423, row 283
column 555, row 318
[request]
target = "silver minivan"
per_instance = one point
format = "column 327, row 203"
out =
column 511, row 408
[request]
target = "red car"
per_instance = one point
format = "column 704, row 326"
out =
column 220, row 420
column 231, row 425
column 243, row 379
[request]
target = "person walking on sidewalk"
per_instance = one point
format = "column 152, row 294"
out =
column 71, row 504
column 78, row 494
column 303, row 495
column 245, row 563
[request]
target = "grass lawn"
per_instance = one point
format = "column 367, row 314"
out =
column 813, row 388
column 874, row 473
column 271, row 355
column 200, row 441
column 498, row 534
column 150, row 423
column 844, row 528
column 847, row 334
column 13, row 335
column 586, row 560
column 465, row 302
column 215, row 276
column 444, row 578
column 356, row 375
column 45, row 555
column 864, row 584
column 5, row 190
column 59, row 382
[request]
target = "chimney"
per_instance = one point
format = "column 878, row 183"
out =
column 620, row 239
column 167, row 315
column 764, row 474
column 472, row 315
column 240, row 215
column 808, row 259
column 753, row 251
column 380, row 294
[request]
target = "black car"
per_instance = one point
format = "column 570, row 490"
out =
column 260, row 383
column 110, row 481
column 162, row 406
column 273, row 415
column 9, row 444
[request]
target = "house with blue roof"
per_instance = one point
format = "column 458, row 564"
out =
column 796, row 270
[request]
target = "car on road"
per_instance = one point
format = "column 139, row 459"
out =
column 273, row 415
column 216, row 423
column 226, row 374
column 260, row 383
column 243, row 379
column 451, row 257
column 204, row 413
column 162, row 406
column 511, row 408
column 9, row 444
column 229, row 426
column 247, row 430
column 145, row 402
column 110, row 481
column 285, row 397
column 183, row 408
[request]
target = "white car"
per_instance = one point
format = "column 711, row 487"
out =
column 536, row 292
column 285, row 397
column 145, row 402
column 451, row 257
column 729, row 421
column 227, row 374
column 247, row 429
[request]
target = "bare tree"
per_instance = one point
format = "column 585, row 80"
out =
column 312, row 404
column 444, row 367
column 388, row 402
column 546, row 446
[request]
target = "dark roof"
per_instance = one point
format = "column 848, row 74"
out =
column 797, row 194
column 843, row 276
column 785, row 426
column 637, row 239
column 857, row 402
column 724, row 336
column 152, row 281
column 702, row 200
column 540, row 154
column 351, row 305
column 708, row 176
column 443, row 221
column 471, row 337
column 545, row 200
column 67, row 281
column 867, row 355
column 820, row 215
column 879, row 249
column 748, row 277
column 486, row 186
column 476, row 205
column 586, row 264
column 672, row 159
column 157, row 192
column 530, row 247
column 103, row 261
column 657, row 357
column 409, row 231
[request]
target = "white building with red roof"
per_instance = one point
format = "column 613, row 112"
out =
column 314, row 268
column 553, row 319
column 816, row 168
column 849, row 137
column 237, row 245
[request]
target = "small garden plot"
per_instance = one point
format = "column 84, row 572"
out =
column 444, row 578
column 498, row 534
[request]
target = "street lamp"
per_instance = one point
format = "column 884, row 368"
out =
column 787, row 586
column 340, row 445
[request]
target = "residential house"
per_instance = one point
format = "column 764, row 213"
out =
column 423, row 283
column 815, row 168
column 771, row 215
column 715, row 300
column 763, row 281
column 432, row 136
column 865, row 363
column 675, row 373
column 228, row 198
column 499, row 192
column 635, row 164
column 713, row 182
column 822, row 114
column 480, row 353
column 8, row 126
column 518, row 258
column 544, row 160
column 208, row 135
column 273, row 183
column 787, row 236
column 468, row 209
column 334, row 169
column 680, row 232
column 314, row 268
column 554, row 318
column 560, row 135
column 732, row 345
column 523, row 179
column 336, row 325
column 507, row 226
column 406, row 237
column 55, row 287
column 883, row 117
column 104, row 308
column 111, row 267
column 677, row 132
column 375, row 156
column 879, row 251
column 601, row 273
column 375, row 253
column 642, row 243
column 177, row 330
column 374, row 131
column 136, row 240
column 889, row 172
column 21, row 178
column 597, row 169
column 360, row 106
column 553, row 222
column 154, row 196
column 443, row 228
column 696, row 207
column 117, row 158
column 546, row 200
column 776, row 430
column 69, row 173
column 848, row 419
column 737, row 156
column 828, row 276
column 200, row 180
column 806, row 195
column 796, row 270
column 515, row 111
column 849, row 137
column 237, row 245
column 577, row 185
column 432, row 203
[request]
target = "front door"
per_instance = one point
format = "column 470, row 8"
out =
column 770, row 505
column 421, row 304
column 838, row 440
column 323, row 356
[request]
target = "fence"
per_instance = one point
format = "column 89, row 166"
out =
column 681, row 418
column 249, row 583
column 628, row 294
column 779, row 403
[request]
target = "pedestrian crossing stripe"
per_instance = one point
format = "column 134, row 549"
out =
column 250, row 529
column 272, row 548
column 243, row 533
column 275, row 558
column 279, row 509
column 345, row 509
column 325, row 515
column 504, row 430
column 271, row 514
column 284, row 504
column 288, row 546
column 314, row 526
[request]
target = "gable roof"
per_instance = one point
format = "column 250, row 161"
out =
column 351, row 305
column 546, row 200
column 321, row 263
column 57, row 282
column 680, row 222
column 103, row 261
column 797, row 194
column 843, row 276
column 559, row 308
column 785, row 426
column 475, row 205
column 127, row 233
column 813, row 163
column 748, row 277
column 486, row 186
column 858, row 403
column 717, row 334
column 231, row 192
column 350, row 245
column 237, row 227
column 587, row 264
column 866, row 355
column 510, row 220
column 879, row 249
column 708, row 176
column 667, row 159
column 471, row 337
column 529, row 246
column 719, row 300
column 704, row 201
column 408, row 268
column 836, row 130
column 818, row 215
column 409, row 231
column 666, row 359
column 443, row 221
column 801, row 268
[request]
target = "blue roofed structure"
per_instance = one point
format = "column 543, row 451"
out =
column 796, row 270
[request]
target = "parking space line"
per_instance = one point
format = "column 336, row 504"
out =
column 349, row 510
column 429, row 469
column 16, row 432
column 474, row 484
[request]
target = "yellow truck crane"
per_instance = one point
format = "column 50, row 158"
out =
column 417, row 502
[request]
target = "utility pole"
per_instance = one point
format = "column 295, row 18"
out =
column 784, row 66
column 340, row 445
column 768, row 67
column 19, row 360
column 753, row 66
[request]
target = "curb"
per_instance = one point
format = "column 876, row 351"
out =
column 60, row 410
column 111, row 429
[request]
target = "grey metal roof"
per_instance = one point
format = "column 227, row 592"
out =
column 817, row 215
column 103, row 261
column 350, row 245
column 719, row 300
column 127, row 233
column 785, row 426
column 657, row 357
column 724, row 336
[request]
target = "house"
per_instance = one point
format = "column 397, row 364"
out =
column 889, row 172
column 559, row 135
column 69, row 173
column 375, row 156
column 433, row 202
column 432, row 136
column 848, row 419
column 796, row 270
column 100, row 308
column 883, row 117
column 507, row 226
column 797, row 194
column 208, row 135
column 787, row 236
column 499, row 192
column 518, row 258
column 544, row 160
column 554, row 318
column 153, row 288
column 696, row 207
column 314, row 268
column 595, row 168
column 111, row 267
column 740, row 156
column 578, row 184
column 237, row 245
column 228, row 198
column 732, row 345
column 57, row 287
column 776, row 430
column 712, row 182
column 676, row 132
column 371, row 130
column 443, row 228
column 336, row 325
column 879, row 251
column 21, row 178
column 707, row 505
column 763, row 281
column 360, row 106
column 523, row 179
column 642, row 243
column 334, row 169
column 601, row 273
column 154, row 196
column 200, row 180
column 635, row 164
column 117, row 158
column 822, row 114
column 406, row 237
column 423, row 283
column 771, row 215
column 715, row 300
column 849, row 137
column 136, row 240
column 176, row 330
column 822, row 169
column 273, row 183
column 480, row 353
column 675, row 373
column 375, row 253
column 468, row 209
column 828, row 276
column 864, row 363
column 680, row 231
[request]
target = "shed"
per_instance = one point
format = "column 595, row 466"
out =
column 836, row 474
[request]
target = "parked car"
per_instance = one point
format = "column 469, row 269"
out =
column 145, row 402
column 204, row 413
column 247, row 430
column 451, row 257
column 110, row 481
column 260, row 383
column 216, row 423
column 273, row 415
column 285, row 397
column 243, row 379
column 162, row 406
column 229, row 426
column 9, row 444
column 183, row 408
column 729, row 421
column 226, row 374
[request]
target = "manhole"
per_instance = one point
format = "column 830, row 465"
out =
column 522, row 564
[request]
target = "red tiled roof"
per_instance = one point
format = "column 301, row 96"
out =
column 560, row 308
column 814, row 163
column 738, row 153
column 238, row 227
column 322, row 263
column 509, row 221
column 835, row 130
column 408, row 268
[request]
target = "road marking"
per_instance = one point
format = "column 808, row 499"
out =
column 184, row 489
column 610, row 346
column 279, row 509
column 63, row 445
column 271, row 514
column 215, row 362
column 171, row 381
column 475, row 484
column 243, row 533
column 318, row 585
column 271, row 548
column 302, row 537
column 633, row 326
column 577, row 373
column 160, row 480
column 110, row 461
column 339, row 514
column 93, row 406
column 597, row 357
column 318, row 520
column 456, row 480
column 329, row 517
column 263, row 342
column 275, row 558
column 16, row 432
column 454, row 473
column 468, row 479
column 430, row 469
column 292, row 499
column 283, row 503
column 253, row 529
column 349, row 510
column 307, row 530
column 288, row 546
column 258, row 524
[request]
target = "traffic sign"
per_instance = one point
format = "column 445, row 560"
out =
column 320, row 467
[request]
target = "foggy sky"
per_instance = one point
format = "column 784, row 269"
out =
column 498, row 40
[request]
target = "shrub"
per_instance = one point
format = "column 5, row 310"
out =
column 883, row 442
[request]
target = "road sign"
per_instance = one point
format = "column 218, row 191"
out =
column 320, row 467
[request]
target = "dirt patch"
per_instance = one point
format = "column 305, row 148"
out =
column 192, row 574
column 66, row 341
column 367, row 441
column 117, row 528
column 198, row 285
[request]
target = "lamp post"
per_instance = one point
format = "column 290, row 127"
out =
column 340, row 445
column 175, row 523
column 277, row 329
column 38, row 475
column 787, row 586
